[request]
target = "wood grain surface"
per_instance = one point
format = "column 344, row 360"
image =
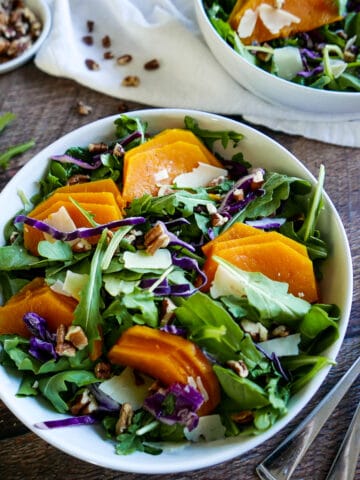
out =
column 46, row 110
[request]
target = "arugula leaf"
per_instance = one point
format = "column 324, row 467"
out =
column 5, row 119
column 210, row 326
column 15, row 257
column 308, row 227
column 270, row 298
column 14, row 150
column 53, row 386
column 57, row 251
column 319, row 330
column 87, row 313
column 209, row 137
column 303, row 368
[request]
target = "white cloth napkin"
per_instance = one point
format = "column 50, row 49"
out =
column 188, row 76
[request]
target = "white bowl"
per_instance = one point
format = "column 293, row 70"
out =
column 42, row 10
column 270, row 87
column 87, row 443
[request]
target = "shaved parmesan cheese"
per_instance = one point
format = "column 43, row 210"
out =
column 126, row 388
column 161, row 175
column 337, row 67
column 160, row 260
column 247, row 23
column 199, row 176
column 209, row 429
column 58, row 287
column 287, row 61
column 225, row 283
column 74, row 283
column 282, row 346
column 60, row 220
column 275, row 19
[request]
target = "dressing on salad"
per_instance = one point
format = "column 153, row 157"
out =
column 108, row 311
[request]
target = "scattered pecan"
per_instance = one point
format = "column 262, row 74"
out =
column 102, row 370
column 84, row 403
column 167, row 310
column 62, row 347
column 218, row 220
column 280, row 331
column 82, row 245
column 256, row 330
column 78, row 178
column 106, row 41
column 83, row 109
column 88, row 40
column 91, row 64
column 239, row 367
column 108, row 55
column 156, row 238
column 238, row 194
column 125, row 418
column 76, row 336
column 90, row 26
column 124, row 59
column 246, row 416
column 130, row 81
column 118, row 150
column 152, row 64
column 98, row 147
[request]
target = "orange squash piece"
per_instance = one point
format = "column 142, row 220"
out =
column 160, row 160
column 104, row 185
column 39, row 298
column 102, row 214
column 309, row 14
column 237, row 230
column 277, row 261
column 172, row 135
column 168, row 358
column 99, row 198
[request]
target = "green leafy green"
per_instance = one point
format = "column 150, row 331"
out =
column 209, row 137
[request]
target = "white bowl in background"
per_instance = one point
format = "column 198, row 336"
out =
column 270, row 87
column 42, row 10
column 87, row 442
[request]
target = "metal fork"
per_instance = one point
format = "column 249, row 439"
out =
column 282, row 462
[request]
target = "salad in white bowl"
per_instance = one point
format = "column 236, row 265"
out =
column 167, row 282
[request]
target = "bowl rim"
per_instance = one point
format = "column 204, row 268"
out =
column 42, row 9
column 269, row 76
column 217, row 452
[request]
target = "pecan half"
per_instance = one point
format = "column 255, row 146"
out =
column 156, row 238
column 131, row 81
column 153, row 64
column 125, row 418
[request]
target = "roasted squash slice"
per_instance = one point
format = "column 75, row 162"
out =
column 145, row 171
column 275, row 259
column 258, row 21
column 168, row 358
column 101, row 214
column 39, row 298
column 104, row 185
column 237, row 230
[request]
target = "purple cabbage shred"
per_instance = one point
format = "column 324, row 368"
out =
column 68, row 422
column 79, row 232
column 42, row 342
column 175, row 404
column 276, row 362
column 80, row 163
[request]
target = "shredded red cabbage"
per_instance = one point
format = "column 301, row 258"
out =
column 68, row 422
column 266, row 223
column 187, row 263
column 276, row 362
column 42, row 342
column 165, row 289
column 80, row 163
column 79, row 232
column 176, row 404
column 173, row 239
column 174, row 330
column 105, row 402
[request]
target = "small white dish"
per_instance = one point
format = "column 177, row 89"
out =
column 88, row 442
column 42, row 10
column 269, row 87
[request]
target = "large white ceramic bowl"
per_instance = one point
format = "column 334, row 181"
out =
column 42, row 10
column 270, row 87
column 87, row 443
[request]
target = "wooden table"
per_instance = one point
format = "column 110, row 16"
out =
column 46, row 110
